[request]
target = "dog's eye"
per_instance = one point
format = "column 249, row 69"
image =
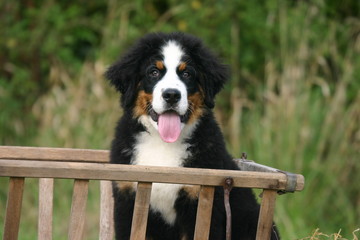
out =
column 154, row 73
column 186, row 75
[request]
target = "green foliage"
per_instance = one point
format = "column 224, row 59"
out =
column 37, row 35
column 292, row 101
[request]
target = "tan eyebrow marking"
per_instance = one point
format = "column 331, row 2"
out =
column 182, row 66
column 159, row 65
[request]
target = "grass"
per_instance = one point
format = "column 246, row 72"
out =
column 318, row 235
column 300, row 122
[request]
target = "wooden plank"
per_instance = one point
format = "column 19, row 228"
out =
column 78, row 207
column 54, row 154
column 46, row 196
column 13, row 208
column 203, row 215
column 97, row 171
column 266, row 215
column 141, row 211
column 106, row 211
column 90, row 155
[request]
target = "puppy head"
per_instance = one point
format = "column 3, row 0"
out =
column 168, row 79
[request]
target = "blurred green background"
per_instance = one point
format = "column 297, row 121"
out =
column 293, row 101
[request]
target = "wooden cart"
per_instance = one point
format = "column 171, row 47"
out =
column 83, row 165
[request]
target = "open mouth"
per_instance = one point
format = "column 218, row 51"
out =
column 155, row 116
column 169, row 124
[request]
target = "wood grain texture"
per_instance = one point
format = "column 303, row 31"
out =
column 203, row 215
column 84, row 165
column 141, row 211
column 46, row 196
column 13, row 208
column 54, row 154
column 266, row 215
column 89, row 155
column 106, row 211
column 98, row 171
column 78, row 207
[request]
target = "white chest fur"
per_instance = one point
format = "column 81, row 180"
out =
column 150, row 150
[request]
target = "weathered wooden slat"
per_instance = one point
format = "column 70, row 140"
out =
column 46, row 196
column 98, row 171
column 203, row 215
column 13, row 208
column 106, row 211
column 141, row 211
column 266, row 215
column 78, row 207
column 54, row 154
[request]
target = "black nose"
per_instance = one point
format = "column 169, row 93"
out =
column 171, row 95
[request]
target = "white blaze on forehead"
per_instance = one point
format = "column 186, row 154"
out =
column 172, row 54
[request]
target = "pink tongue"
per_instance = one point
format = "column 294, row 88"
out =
column 169, row 127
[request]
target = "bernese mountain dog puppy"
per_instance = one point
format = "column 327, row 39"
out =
column 168, row 83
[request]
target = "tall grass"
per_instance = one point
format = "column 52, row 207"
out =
column 300, row 123
column 296, row 109
column 86, row 109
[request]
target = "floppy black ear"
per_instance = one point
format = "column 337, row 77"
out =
column 213, row 77
column 124, row 76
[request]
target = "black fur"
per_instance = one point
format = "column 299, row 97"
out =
column 206, row 144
